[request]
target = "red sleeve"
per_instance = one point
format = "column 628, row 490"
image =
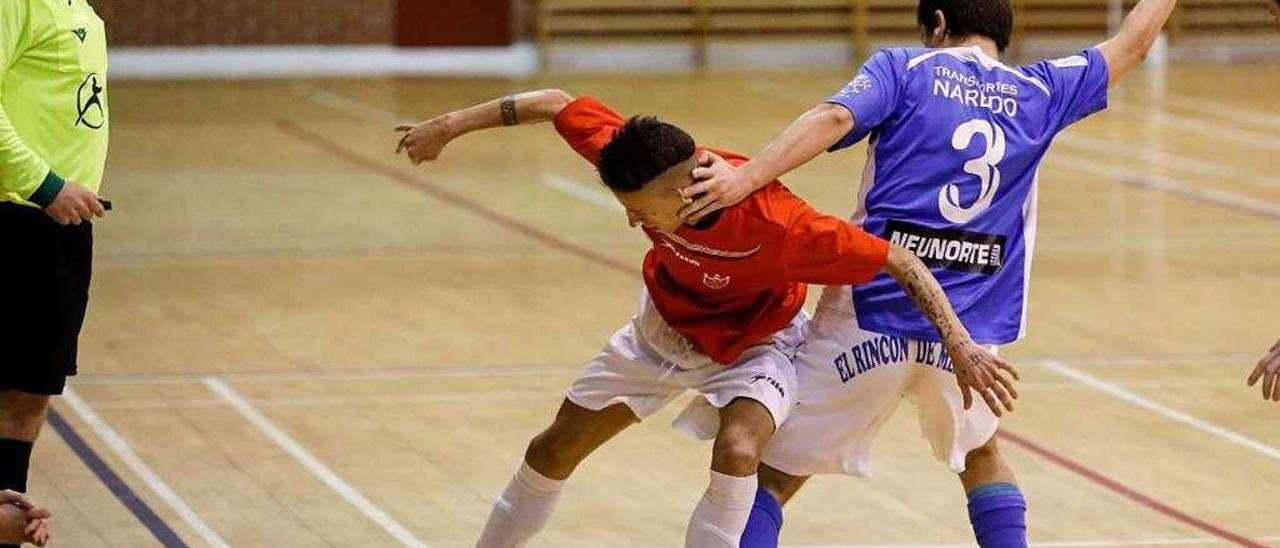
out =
column 821, row 249
column 587, row 125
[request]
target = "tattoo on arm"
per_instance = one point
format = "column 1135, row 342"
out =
column 930, row 298
column 508, row 106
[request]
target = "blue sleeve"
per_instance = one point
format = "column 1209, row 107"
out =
column 1078, row 85
column 871, row 96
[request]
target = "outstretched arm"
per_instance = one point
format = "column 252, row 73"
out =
column 975, row 366
column 1268, row 370
column 1129, row 47
column 721, row 184
column 424, row 141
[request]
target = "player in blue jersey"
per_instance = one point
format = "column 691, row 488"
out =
column 956, row 140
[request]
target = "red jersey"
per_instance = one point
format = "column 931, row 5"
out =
column 728, row 286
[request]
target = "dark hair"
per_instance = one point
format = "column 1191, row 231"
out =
column 990, row 18
column 640, row 151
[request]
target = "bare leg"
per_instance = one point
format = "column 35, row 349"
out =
column 574, row 434
column 985, row 465
column 997, row 508
column 720, row 517
column 526, row 505
column 781, row 485
column 22, row 415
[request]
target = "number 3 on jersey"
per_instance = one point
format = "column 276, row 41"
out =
column 983, row 167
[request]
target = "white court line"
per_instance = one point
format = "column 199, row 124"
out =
column 342, row 103
column 1190, row 541
column 1241, row 115
column 464, row 371
column 1125, row 395
column 1232, row 359
column 1126, row 176
column 580, row 191
column 131, row 459
column 360, row 109
column 1130, row 177
column 1243, row 137
column 460, row 397
column 550, row 394
column 313, row 464
column 1158, row 157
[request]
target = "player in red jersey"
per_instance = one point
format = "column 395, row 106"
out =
column 721, row 312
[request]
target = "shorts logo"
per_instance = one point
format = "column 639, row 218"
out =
column 882, row 350
column 715, row 281
column 950, row 248
column 772, row 382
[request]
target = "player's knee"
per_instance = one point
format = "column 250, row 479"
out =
column 554, row 453
column 22, row 415
column 736, row 455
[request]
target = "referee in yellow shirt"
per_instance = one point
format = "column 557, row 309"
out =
column 53, row 147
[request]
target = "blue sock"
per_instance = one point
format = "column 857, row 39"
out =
column 999, row 516
column 765, row 524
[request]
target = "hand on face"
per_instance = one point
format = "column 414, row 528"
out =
column 717, row 184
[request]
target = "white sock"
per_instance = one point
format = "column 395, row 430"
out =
column 522, row 511
column 722, row 514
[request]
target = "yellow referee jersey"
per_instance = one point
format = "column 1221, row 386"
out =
column 53, row 91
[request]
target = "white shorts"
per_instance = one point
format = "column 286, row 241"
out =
column 851, row 382
column 646, row 364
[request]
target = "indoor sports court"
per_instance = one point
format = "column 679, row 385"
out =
column 297, row 338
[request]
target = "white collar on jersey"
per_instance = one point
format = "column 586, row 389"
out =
column 975, row 54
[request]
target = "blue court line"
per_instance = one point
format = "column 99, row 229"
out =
column 126, row 495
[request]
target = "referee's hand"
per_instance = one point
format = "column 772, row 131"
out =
column 22, row 520
column 75, row 204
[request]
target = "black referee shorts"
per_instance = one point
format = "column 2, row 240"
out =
column 44, row 289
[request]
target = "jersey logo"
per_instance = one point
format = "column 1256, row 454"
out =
column 680, row 255
column 80, row 33
column 950, row 248
column 89, row 101
column 711, row 251
column 715, row 281
column 859, row 84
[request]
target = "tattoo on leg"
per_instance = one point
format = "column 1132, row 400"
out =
column 508, row 105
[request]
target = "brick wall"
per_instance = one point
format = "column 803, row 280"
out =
column 246, row 22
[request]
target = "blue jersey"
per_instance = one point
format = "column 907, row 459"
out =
column 956, row 142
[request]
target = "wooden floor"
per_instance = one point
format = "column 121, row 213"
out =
column 296, row 339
